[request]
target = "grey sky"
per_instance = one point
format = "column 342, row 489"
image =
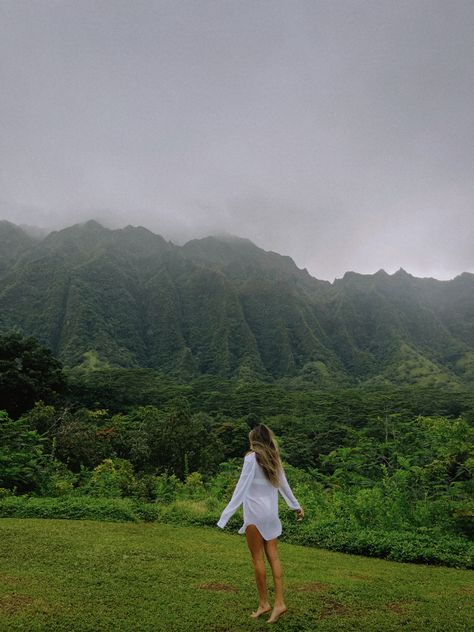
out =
column 340, row 133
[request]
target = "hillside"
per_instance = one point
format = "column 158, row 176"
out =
column 223, row 306
column 83, row 575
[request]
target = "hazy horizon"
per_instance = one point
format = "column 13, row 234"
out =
column 337, row 132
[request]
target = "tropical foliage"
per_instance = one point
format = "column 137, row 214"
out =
column 383, row 472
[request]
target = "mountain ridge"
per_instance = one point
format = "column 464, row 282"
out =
column 41, row 235
column 224, row 306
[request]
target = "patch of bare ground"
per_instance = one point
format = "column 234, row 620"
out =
column 399, row 607
column 466, row 590
column 332, row 607
column 218, row 587
column 14, row 602
column 10, row 580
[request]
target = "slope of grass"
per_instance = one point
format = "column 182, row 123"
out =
column 83, row 575
column 427, row 547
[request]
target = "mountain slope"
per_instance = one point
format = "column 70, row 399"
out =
column 14, row 241
column 224, row 306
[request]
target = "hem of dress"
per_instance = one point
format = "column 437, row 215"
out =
column 243, row 528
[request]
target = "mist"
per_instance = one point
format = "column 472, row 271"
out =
column 339, row 133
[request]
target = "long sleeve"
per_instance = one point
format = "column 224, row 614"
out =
column 246, row 477
column 285, row 491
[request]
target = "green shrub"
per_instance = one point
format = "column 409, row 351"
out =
column 57, row 479
column 21, row 455
column 74, row 508
column 166, row 487
column 113, row 478
column 194, row 485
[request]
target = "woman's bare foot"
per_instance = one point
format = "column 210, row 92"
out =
column 276, row 613
column 261, row 610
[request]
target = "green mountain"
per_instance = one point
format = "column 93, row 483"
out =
column 13, row 243
column 222, row 305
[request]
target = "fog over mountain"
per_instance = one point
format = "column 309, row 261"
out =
column 338, row 132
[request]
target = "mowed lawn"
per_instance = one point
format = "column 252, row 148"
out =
column 85, row 575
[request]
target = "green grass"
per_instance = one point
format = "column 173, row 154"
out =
column 424, row 547
column 78, row 575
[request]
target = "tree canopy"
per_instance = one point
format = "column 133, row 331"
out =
column 28, row 373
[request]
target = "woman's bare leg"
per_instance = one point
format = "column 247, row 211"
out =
column 279, row 607
column 255, row 543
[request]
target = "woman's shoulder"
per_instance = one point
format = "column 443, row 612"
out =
column 250, row 455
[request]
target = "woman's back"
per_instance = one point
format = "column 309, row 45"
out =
column 259, row 498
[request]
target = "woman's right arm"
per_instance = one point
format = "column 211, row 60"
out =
column 285, row 491
column 246, row 477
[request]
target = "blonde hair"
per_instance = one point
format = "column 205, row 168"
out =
column 264, row 443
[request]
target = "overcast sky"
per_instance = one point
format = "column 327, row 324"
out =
column 340, row 133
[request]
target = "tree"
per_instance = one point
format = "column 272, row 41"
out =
column 28, row 373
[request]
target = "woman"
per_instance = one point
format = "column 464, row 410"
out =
column 261, row 478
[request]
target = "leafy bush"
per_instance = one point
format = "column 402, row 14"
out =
column 113, row 478
column 21, row 455
column 57, row 480
column 166, row 487
column 194, row 485
column 73, row 508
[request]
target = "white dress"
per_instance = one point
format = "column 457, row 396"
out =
column 259, row 498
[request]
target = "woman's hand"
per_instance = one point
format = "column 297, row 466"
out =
column 299, row 514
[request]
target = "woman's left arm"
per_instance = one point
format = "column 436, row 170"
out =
column 287, row 493
column 246, row 477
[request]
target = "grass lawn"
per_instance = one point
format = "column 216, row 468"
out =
column 86, row 575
